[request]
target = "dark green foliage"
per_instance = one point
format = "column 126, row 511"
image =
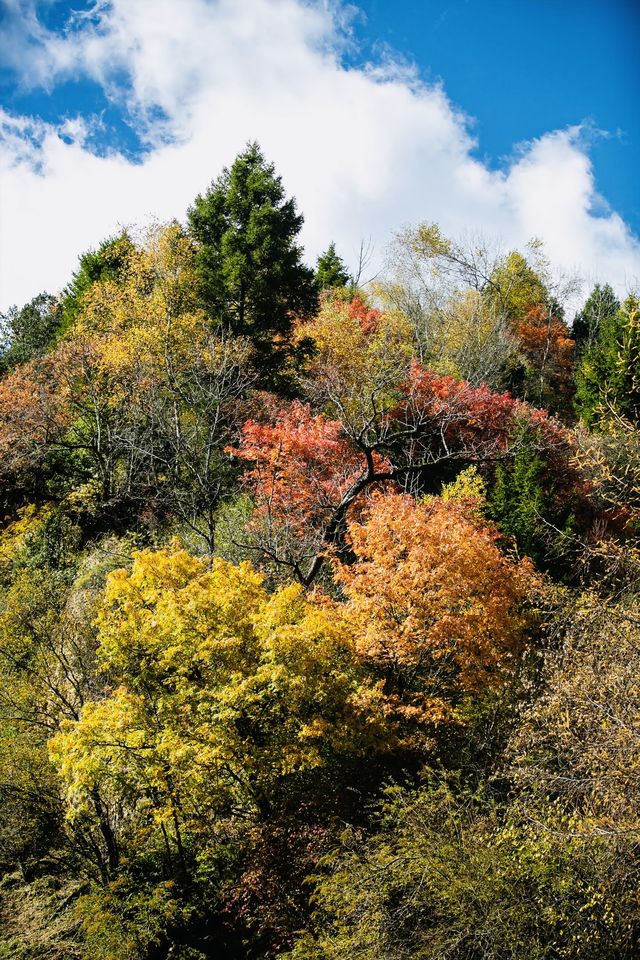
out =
column 105, row 263
column 331, row 272
column 252, row 278
column 525, row 505
column 53, row 544
column 608, row 377
column 29, row 332
column 518, row 499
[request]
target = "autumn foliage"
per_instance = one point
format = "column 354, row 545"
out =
column 33, row 413
column 318, row 631
column 309, row 473
column 302, row 466
column 219, row 691
column 437, row 609
column 475, row 420
column 548, row 348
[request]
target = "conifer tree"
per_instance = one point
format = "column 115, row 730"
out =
column 331, row 272
column 527, row 504
column 252, row 278
column 608, row 378
column 519, row 500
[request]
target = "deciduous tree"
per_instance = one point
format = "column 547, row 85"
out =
column 600, row 307
column 437, row 609
column 436, row 425
column 220, row 693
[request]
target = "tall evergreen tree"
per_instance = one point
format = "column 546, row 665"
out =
column 519, row 499
column 608, row 378
column 601, row 305
column 331, row 272
column 252, row 278
column 526, row 504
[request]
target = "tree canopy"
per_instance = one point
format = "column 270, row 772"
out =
column 251, row 276
column 319, row 605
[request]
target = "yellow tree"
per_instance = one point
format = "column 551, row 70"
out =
column 361, row 355
column 221, row 693
column 159, row 392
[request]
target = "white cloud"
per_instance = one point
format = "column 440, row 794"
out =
column 364, row 150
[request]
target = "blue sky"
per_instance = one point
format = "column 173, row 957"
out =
column 517, row 119
column 522, row 68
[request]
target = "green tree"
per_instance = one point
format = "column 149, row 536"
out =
column 331, row 272
column 252, row 278
column 524, row 497
column 28, row 332
column 518, row 498
column 608, row 378
column 601, row 306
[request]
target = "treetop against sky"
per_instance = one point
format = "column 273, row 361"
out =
column 517, row 119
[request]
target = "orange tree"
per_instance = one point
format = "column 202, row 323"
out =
column 438, row 611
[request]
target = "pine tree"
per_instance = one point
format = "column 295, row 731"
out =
column 608, row 378
column 518, row 498
column 527, row 505
column 331, row 272
column 252, row 279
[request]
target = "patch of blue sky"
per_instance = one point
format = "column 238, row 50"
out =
column 109, row 129
column 517, row 70
column 521, row 69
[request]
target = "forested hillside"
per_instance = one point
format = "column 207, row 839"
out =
column 319, row 617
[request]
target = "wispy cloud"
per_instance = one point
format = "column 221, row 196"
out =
column 364, row 150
